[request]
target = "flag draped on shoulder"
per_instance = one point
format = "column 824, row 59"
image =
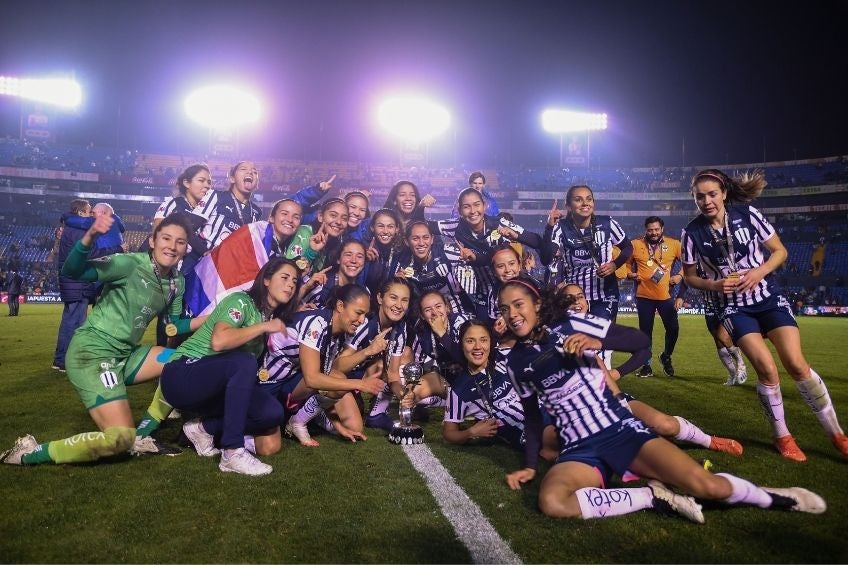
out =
column 231, row 266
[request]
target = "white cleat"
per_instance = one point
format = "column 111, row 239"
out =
column 23, row 446
column 150, row 446
column 667, row 501
column 796, row 499
column 242, row 462
column 203, row 441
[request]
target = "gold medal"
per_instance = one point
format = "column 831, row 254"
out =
column 409, row 272
column 650, row 262
column 495, row 235
column 733, row 275
column 302, row 264
column 171, row 330
column 263, row 374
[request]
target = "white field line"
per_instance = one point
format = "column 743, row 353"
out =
column 468, row 521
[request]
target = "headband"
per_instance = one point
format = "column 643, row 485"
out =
column 532, row 288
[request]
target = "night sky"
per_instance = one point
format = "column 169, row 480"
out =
column 735, row 79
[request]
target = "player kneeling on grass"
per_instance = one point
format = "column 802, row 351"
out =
column 105, row 353
column 214, row 372
column 598, row 435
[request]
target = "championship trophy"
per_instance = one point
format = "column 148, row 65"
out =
column 405, row 432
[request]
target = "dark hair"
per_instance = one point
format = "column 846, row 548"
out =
column 505, row 247
column 408, row 231
column 467, row 191
column 473, row 323
column 553, row 305
column 361, row 194
column 571, row 190
column 391, row 199
column 743, row 188
column 348, row 243
column 282, row 201
column 654, row 220
column 437, row 293
column 346, row 294
column 397, row 241
column 476, row 175
column 79, row 205
column 173, row 220
column 189, row 174
column 259, row 292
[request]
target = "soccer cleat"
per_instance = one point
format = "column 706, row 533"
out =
column 731, row 380
column 242, row 462
column 203, row 441
column 671, row 503
column 174, row 415
column 726, row 445
column 741, row 373
column 645, row 371
column 381, row 421
column 788, row 448
column 150, row 446
column 23, row 446
column 58, row 367
column 301, row 432
column 668, row 368
column 840, row 442
column 796, row 499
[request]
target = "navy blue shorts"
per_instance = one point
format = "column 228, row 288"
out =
column 612, row 450
column 713, row 321
column 606, row 308
column 772, row 313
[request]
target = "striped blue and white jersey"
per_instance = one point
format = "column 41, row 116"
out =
column 225, row 215
column 366, row 333
column 312, row 329
column 427, row 348
column 583, row 250
column 749, row 230
column 444, row 272
column 571, row 389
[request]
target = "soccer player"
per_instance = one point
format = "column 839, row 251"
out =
column 598, row 436
column 727, row 240
column 650, row 268
column 214, row 372
column 228, row 210
column 105, row 354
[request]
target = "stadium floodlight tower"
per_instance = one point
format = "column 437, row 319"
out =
column 65, row 93
column 224, row 110
column 561, row 122
column 414, row 120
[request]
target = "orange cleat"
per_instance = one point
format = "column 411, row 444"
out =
column 840, row 442
column 788, row 448
column 726, row 445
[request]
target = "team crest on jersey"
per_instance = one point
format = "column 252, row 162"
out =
column 234, row 314
column 297, row 250
column 313, row 334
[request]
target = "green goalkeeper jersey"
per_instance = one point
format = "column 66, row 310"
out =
column 236, row 310
column 132, row 296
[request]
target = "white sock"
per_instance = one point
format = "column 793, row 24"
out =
column 815, row 394
column 772, row 402
column 380, row 403
column 250, row 444
column 738, row 357
column 691, row 433
column 307, row 412
column 606, row 502
column 728, row 360
column 745, row 492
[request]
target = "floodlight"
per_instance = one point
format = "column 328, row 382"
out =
column 222, row 107
column 413, row 119
column 56, row 91
column 564, row 121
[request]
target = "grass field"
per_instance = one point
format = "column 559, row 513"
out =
column 364, row 502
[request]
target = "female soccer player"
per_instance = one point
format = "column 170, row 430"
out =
column 427, row 267
column 484, row 392
column 214, row 372
column 405, row 199
column 388, row 323
column 598, row 435
column 586, row 241
column 105, row 354
column 349, row 269
column 227, row 210
column 299, row 363
column 727, row 241
column 386, row 239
